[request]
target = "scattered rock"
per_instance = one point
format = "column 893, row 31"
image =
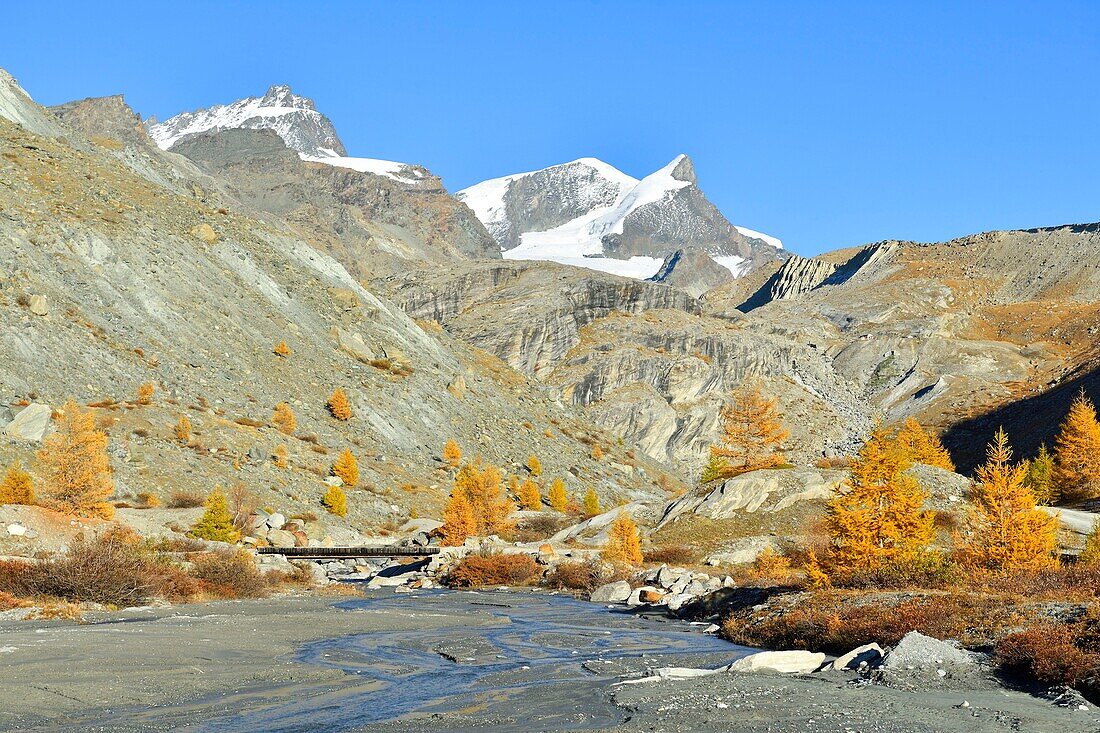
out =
column 868, row 655
column 281, row 538
column 617, row 592
column 17, row 530
column 795, row 661
column 38, row 305
column 204, row 232
column 31, row 423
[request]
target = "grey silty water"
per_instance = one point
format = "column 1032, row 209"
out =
column 530, row 640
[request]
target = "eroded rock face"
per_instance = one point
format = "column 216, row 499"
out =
column 764, row 491
column 528, row 314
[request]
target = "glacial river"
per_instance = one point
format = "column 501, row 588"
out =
column 521, row 649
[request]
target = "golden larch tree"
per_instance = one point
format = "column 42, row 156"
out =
column 597, row 452
column 875, row 517
column 281, row 349
column 1090, row 555
column 339, row 406
column 283, row 418
column 534, row 465
column 752, row 433
column 216, row 523
column 74, row 468
column 17, row 487
column 1077, row 451
column 482, row 486
column 591, row 503
column 346, row 467
column 280, row 456
column 1040, row 477
column 1004, row 530
column 624, row 544
column 458, row 519
column 922, row 446
column 182, row 430
column 336, row 501
column 145, row 393
column 529, row 496
column 452, row 454
column 556, row 495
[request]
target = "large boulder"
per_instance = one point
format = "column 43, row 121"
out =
column 868, row 655
column 31, row 423
column 795, row 661
column 281, row 538
column 617, row 592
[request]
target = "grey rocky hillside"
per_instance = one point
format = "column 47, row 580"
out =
column 897, row 329
column 119, row 268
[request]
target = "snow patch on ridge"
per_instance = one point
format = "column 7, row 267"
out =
column 753, row 234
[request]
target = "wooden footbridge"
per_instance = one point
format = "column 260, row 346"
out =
column 348, row 553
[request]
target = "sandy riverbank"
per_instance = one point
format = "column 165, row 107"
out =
column 442, row 661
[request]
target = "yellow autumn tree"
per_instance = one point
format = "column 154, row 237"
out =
column 216, row 523
column 1090, row 555
column 591, row 503
column 752, row 432
column 280, row 456
column 624, row 544
column 529, row 496
column 281, row 349
column 534, row 465
column 1077, row 451
column 336, row 501
column 1040, row 477
column 339, row 406
column 875, row 518
column 17, row 487
column 597, row 452
column 74, row 468
column 458, row 519
column 145, row 393
column 556, row 496
column 1004, row 530
column 481, row 484
column 183, row 430
column 921, row 446
column 452, row 454
column 346, row 467
column 283, row 418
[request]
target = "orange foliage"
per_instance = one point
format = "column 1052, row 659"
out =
column 145, row 393
column 752, row 432
column 347, row 468
column 16, row 488
column 1077, row 451
column 73, row 465
column 339, row 406
column 1005, row 530
column 924, row 447
column 284, row 419
column 183, row 430
column 452, row 454
column 280, row 456
column 458, row 519
column 491, row 508
column 529, row 496
column 556, row 496
column 281, row 349
column 876, row 517
column 623, row 543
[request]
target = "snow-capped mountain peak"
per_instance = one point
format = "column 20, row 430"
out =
column 590, row 214
column 293, row 117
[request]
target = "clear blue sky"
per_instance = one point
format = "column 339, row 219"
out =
column 826, row 124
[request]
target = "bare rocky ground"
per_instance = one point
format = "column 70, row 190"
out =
column 450, row 661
